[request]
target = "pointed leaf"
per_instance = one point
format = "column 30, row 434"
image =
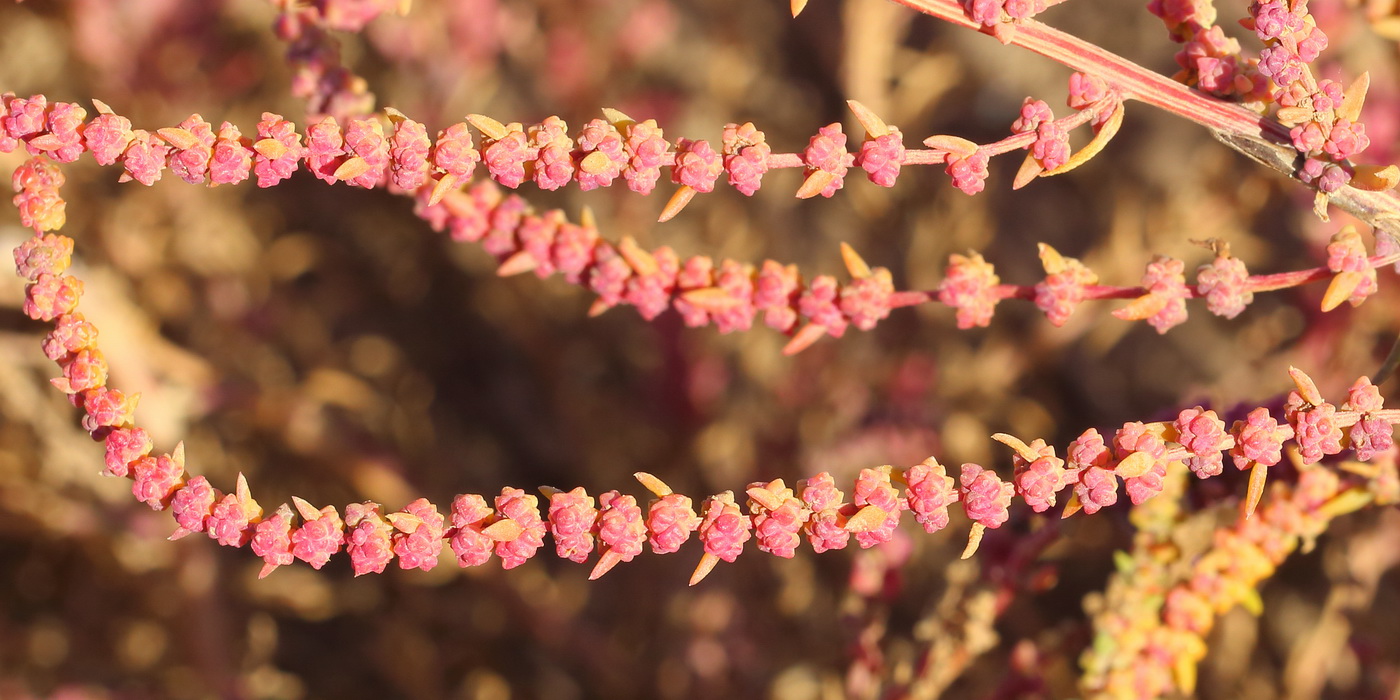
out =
column 974, row 540
column 352, row 168
column 866, row 519
column 815, row 183
column 488, row 126
column 653, row 484
column 703, row 569
column 682, row 197
column 503, row 530
column 1030, row 169
column 178, row 137
column 855, row 264
column 1101, row 139
column 951, row 144
column 874, row 125
column 1354, row 97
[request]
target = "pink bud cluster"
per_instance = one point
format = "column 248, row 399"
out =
column 776, row 517
column 731, row 295
column 395, row 150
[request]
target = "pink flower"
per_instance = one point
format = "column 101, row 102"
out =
column 970, row 287
column 881, row 157
column 502, row 222
column 320, row 535
column 646, row 150
column 930, row 493
column 51, row 296
column 777, row 517
column 1051, row 145
column 107, row 137
column 1224, row 284
column 194, row 147
column 601, row 157
column 272, row 540
column 572, row 518
column 228, row 523
column 1097, row 488
column 107, row 408
column 746, row 154
column 70, row 334
column 697, row 165
column 736, row 280
column 470, row 515
column 866, row 301
column 418, row 541
column 25, row 117
column 1039, row 480
column 573, row 250
column 1063, row 288
column 1258, row 439
column 826, row 152
column 969, row 173
column 554, row 162
column 47, row 254
column 325, row 149
column 192, row 505
column 1085, row 90
column 1346, row 253
column 697, row 273
column 651, row 293
column 144, row 158
column 7, row 143
column 825, row 527
column 85, row 370
column 670, row 520
column 64, row 140
column 608, row 278
column 279, row 150
column 1135, row 438
column 515, row 505
column 367, row 538
column 873, row 488
column 622, row 529
column 723, row 527
column 776, row 293
column 124, row 446
column 1165, row 279
column 232, row 159
column 1095, row 484
column 1370, row 436
column 986, row 498
column 364, row 139
column 408, row 154
column 453, row 152
column 1203, row 434
column 1033, row 113
column 155, row 480
column 1317, row 433
column 820, row 304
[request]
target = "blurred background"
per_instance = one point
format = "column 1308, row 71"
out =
column 324, row 342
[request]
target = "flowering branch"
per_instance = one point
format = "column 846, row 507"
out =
column 368, row 154
column 1360, row 191
column 775, row 516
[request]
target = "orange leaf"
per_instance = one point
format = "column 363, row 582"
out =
column 1101, row 139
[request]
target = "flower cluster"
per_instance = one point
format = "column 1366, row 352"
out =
column 366, row 153
column 776, row 517
column 1162, row 603
column 395, row 150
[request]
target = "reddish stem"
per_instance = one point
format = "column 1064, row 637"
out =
column 1380, row 209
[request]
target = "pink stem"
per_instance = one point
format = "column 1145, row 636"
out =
column 1380, row 209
